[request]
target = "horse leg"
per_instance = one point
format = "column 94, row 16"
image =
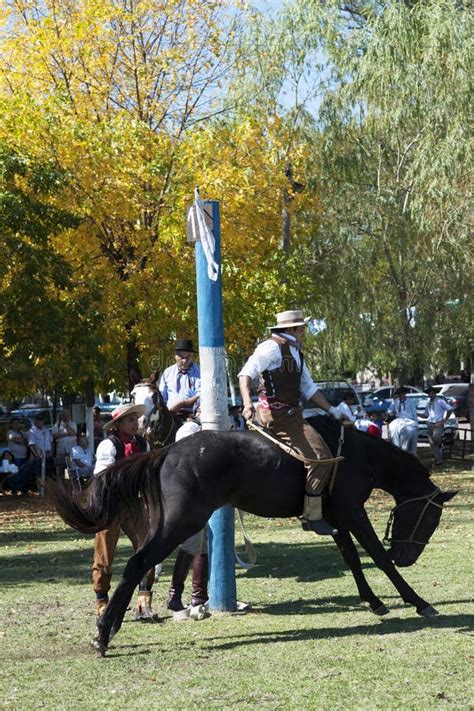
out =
column 351, row 557
column 155, row 551
column 362, row 529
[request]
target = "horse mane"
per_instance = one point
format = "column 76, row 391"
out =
column 329, row 429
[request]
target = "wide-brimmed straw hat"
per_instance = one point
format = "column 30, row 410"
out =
column 289, row 319
column 122, row 411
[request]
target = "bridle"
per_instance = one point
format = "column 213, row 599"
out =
column 428, row 499
column 160, row 442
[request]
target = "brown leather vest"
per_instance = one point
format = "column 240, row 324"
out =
column 283, row 384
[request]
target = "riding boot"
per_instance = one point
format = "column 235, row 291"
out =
column 180, row 572
column 313, row 516
column 143, row 611
column 200, row 579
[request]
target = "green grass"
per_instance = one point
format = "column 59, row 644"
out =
column 309, row 644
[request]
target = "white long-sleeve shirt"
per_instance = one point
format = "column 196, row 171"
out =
column 267, row 356
column 436, row 409
column 105, row 455
column 405, row 410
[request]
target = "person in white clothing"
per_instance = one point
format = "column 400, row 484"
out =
column 82, row 458
column 344, row 407
column 437, row 412
column 284, row 381
column 403, row 430
column 40, row 444
column 17, row 442
column 64, row 434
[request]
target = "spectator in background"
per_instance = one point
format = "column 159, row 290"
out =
column 17, row 442
column 15, row 479
column 180, row 384
column 40, row 444
column 237, row 421
column 98, row 427
column 437, row 412
column 82, row 458
column 64, row 434
column 403, row 429
column 345, row 407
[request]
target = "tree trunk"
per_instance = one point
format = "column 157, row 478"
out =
column 133, row 355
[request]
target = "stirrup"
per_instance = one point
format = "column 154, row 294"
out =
column 320, row 527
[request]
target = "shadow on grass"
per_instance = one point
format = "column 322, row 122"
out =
column 460, row 623
column 303, row 562
column 337, row 603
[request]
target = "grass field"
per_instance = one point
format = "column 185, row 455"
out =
column 308, row 644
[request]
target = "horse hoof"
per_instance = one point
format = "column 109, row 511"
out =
column 381, row 610
column 428, row 611
column 98, row 646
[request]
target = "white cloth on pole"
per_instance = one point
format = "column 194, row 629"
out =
column 202, row 233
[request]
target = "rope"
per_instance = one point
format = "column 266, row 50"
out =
column 290, row 450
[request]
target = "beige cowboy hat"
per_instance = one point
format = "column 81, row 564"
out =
column 289, row 319
column 122, row 411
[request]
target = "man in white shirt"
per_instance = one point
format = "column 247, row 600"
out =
column 437, row 412
column 82, row 458
column 344, row 406
column 403, row 430
column 64, row 433
column 17, row 442
column 284, row 380
column 39, row 438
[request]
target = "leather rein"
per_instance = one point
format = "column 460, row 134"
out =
column 428, row 499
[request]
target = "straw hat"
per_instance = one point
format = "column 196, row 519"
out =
column 289, row 319
column 122, row 411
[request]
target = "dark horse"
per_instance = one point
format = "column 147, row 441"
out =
column 185, row 482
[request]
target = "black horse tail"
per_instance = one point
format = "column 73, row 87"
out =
column 118, row 487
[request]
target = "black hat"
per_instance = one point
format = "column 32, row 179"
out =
column 184, row 344
column 401, row 391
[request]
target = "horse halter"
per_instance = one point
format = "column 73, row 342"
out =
column 429, row 499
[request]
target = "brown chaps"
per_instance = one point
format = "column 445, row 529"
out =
column 136, row 528
column 293, row 430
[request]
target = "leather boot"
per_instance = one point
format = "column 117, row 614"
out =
column 180, row 572
column 143, row 611
column 313, row 517
column 200, row 579
column 100, row 605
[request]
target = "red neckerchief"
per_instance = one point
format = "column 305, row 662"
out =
column 131, row 447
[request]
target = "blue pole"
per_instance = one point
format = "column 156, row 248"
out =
column 214, row 414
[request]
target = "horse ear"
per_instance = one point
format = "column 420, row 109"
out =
column 447, row 495
column 154, row 376
column 134, row 377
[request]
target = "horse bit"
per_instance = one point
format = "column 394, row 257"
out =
column 429, row 499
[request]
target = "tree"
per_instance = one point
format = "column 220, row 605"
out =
column 108, row 90
column 50, row 324
column 392, row 158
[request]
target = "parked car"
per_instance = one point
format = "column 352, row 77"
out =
column 333, row 391
column 386, row 392
column 451, row 426
column 457, row 394
column 30, row 411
